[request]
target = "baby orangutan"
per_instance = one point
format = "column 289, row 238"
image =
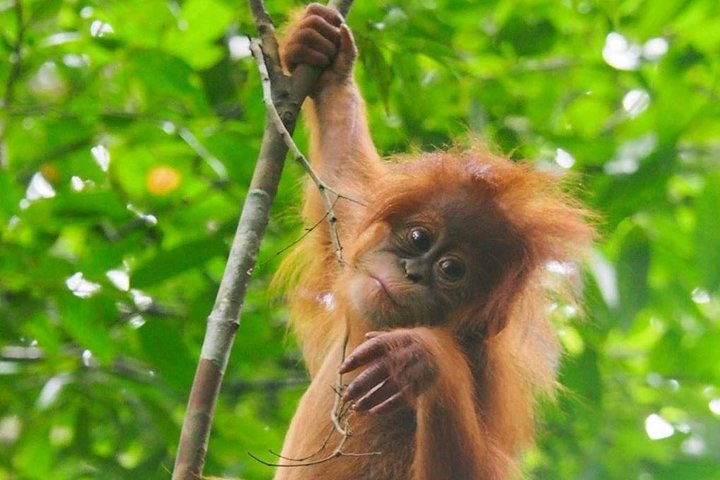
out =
column 442, row 300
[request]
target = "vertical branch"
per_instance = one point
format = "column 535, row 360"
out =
column 224, row 318
column 13, row 75
column 266, row 32
column 322, row 187
column 342, row 6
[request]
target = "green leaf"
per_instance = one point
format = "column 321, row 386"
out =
column 678, row 357
column 632, row 271
column 707, row 233
column 90, row 206
column 86, row 320
column 164, row 348
column 168, row 263
column 587, row 115
column 376, row 66
column 528, row 35
column 581, row 375
column 35, row 455
column 202, row 23
column 164, row 78
column 688, row 468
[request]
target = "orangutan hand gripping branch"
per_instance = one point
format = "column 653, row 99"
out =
column 441, row 305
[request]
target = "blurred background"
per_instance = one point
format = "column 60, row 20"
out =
column 128, row 134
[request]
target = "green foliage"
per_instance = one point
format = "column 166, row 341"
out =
column 128, row 133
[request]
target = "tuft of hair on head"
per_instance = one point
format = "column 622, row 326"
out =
column 535, row 202
column 521, row 214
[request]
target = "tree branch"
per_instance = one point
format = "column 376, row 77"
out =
column 266, row 32
column 224, row 319
column 322, row 187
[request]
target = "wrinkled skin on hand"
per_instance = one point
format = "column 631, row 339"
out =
column 321, row 39
column 398, row 369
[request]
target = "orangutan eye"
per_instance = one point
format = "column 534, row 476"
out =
column 420, row 239
column 452, row 269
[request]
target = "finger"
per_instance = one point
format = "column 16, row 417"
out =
column 415, row 377
column 366, row 381
column 399, row 336
column 324, row 28
column 348, row 52
column 331, row 15
column 347, row 42
column 365, row 353
column 376, row 396
column 314, row 40
column 297, row 54
column 370, row 335
column 390, row 405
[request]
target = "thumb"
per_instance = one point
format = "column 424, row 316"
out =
column 347, row 54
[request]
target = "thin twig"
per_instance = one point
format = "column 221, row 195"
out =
column 266, row 31
column 307, row 232
column 341, row 413
column 337, row 410
column 322, row 187
column 311, row 455
column 336, row 453
column 201, row 150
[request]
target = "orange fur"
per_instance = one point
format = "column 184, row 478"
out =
column 491, row 357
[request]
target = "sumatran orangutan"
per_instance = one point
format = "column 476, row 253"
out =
column 441, row 303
